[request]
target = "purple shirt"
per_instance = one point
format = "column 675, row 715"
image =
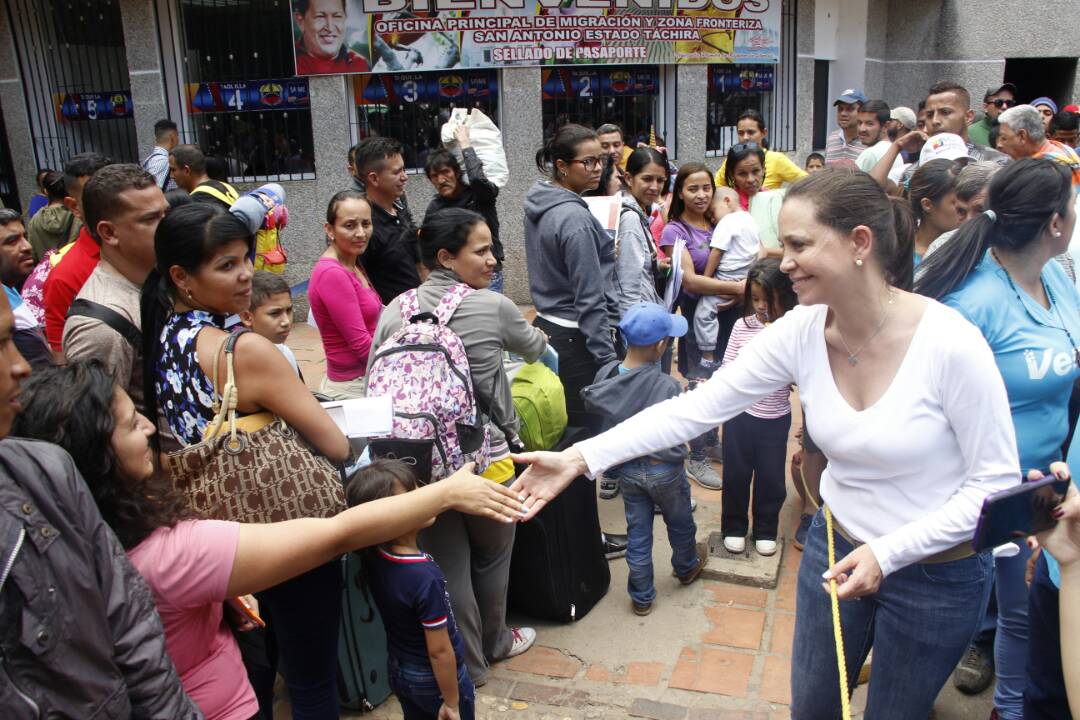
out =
column 697, row 244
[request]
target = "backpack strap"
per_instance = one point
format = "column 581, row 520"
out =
column 228, row 196
column 450, row 302
column 116, row 321
column 409, row 305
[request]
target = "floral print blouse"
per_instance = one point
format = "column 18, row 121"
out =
column 184, row 393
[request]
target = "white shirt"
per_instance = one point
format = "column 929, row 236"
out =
column 908, row 475
column 288, row 353
column 869, row 157
column 737, row 235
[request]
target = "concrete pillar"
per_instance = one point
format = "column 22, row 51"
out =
column 144, row 68
column 523, row 133
column 16, row 120
column 804, row 81
column 691, row 103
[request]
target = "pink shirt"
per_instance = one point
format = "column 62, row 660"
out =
column 773, row 405
column 347, row 314
column 187, row 568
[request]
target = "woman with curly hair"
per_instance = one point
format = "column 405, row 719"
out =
column 193, row 565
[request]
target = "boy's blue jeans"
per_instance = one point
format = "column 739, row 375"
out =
column 645, row 485
column 418, row 692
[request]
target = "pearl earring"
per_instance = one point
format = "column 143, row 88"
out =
column 858, row 262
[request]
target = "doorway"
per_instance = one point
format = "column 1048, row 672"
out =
column 1042, row 77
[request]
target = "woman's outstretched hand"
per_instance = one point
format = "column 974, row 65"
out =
column 1062, row 540
column 548, row 475
column 469, row 493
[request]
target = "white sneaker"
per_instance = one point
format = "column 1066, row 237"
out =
column 765, row 547
column 524, row 637
column 735, row 544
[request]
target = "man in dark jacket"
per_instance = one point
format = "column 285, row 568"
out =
column 79, row 635
column 392, row 258
column 472, row 191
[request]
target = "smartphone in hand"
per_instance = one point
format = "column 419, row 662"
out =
column 240, row 606
column 1013, row 514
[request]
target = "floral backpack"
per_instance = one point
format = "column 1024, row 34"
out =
column 424, row 369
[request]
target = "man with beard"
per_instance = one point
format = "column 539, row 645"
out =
column 16, row 262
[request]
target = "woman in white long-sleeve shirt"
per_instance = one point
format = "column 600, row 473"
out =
column 906, row 403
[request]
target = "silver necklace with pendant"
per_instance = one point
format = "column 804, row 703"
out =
column 853, row 357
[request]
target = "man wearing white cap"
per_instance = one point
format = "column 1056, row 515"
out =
column 842, row 147
column 948, row 111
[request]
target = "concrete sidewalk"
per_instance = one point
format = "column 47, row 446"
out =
column 710, row 650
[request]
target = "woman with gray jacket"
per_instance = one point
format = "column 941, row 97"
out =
column 637, row 267
column 474, row 554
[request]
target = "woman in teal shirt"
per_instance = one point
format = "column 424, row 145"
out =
column 999, row 273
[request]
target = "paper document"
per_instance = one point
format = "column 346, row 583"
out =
column 671, row 294
column 362, row 417
column 605, row 209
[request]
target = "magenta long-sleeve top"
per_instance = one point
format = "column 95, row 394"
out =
column 346, row 313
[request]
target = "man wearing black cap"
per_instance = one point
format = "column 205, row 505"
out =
column 842, row 147
column 995, row 101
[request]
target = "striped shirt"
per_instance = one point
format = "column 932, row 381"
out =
column 775, row 405
column 157, row 164
column 840, row 152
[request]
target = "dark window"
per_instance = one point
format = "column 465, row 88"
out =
column 75, row 75
column 243, row 103
column 412, row 107
column 627, row 95
column 769, row 89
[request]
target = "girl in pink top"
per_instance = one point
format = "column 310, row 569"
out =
column 345, row 305
column 193, row 565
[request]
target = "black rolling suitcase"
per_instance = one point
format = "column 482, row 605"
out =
column 558, row 570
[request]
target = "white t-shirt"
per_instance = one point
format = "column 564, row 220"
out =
column 288, row 353
column 869, row 157
column 907, row 475
column 737, row 235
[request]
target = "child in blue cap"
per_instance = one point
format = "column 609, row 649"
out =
column 621, row 390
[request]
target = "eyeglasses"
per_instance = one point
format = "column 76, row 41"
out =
column 1003, row 103
column 589, row 163
column 744, row 147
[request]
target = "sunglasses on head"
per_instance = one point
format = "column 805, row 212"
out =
column 1003, row 103
column 744, row 147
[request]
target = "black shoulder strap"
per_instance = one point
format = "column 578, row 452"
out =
column 119, row 323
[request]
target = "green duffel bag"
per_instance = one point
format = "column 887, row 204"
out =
column 541, row 406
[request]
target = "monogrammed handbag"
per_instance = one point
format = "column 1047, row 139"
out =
column 253, row 469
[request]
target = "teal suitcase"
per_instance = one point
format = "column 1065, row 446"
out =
column 363, row 682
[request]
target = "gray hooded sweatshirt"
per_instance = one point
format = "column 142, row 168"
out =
column 619, row 396
column 571, row 260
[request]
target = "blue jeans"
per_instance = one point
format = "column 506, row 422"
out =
column 645, row 485
column 306, row 612
column 418, row 691
column 1044, row 696
column 1011, row 641
column 919, row 624
column 497, row 281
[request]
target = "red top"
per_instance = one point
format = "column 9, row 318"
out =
column 346, row 61
column 64, row 283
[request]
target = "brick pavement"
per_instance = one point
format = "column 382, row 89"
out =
column 708, row 651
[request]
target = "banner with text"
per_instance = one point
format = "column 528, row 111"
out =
column 360, row 36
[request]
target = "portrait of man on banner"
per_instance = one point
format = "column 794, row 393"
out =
column 324, row 43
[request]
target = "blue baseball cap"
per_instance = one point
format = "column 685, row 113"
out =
column 649, row 323
column 851, row 96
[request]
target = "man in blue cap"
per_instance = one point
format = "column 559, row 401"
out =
column 842, row 148
column 621, row 390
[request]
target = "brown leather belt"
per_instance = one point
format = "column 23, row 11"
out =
column 959, row 552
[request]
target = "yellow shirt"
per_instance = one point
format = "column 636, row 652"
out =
column 778, row 170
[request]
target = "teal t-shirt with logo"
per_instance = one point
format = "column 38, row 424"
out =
column 1033, row 350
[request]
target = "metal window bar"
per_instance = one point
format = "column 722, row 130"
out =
column 234, row 41
column 75, row 78
column 778, row 107
column 415, row 109
column 592, row 106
